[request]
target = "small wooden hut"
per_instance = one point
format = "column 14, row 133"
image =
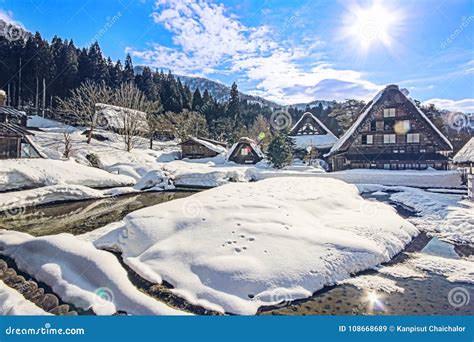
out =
column 245, row 151
column 15, row 142
column 197, row 148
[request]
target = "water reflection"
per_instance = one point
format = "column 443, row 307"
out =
column 84, row 216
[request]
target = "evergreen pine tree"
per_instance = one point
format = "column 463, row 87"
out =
column 280, row 150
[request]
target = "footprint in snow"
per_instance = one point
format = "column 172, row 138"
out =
column 237, row 250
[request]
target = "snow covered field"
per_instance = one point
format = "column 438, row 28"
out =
column 241, row 246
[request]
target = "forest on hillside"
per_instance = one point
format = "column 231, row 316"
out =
column 38, row 75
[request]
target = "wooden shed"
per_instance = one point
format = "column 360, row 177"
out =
column 245, row 151
column 196, row 148
column 15, row 142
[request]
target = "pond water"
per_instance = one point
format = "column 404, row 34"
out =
column 83, row 216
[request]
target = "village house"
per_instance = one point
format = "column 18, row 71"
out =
column 391, row 133
column 196, row 148
column 15, row 140
column 310, row 134
column 245, row 151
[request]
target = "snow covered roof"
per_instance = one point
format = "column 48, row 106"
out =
column 310, row 115
column 337, row 146
column 11, row 111
column 466, row 153
column 213, row 147
column 112, row 116
column 252, row 143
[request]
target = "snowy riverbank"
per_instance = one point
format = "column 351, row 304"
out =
column 241, row 246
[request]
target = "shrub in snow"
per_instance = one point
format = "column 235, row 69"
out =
column 94, row 160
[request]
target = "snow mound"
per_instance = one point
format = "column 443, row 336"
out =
column 416, row 178
column 401, row 271
column 455, row 270
column 374, row 283
column 156, row 180
column 241, row 246
column 16, row 202
column 79, row 273
column 14, row 304
column 31, row 173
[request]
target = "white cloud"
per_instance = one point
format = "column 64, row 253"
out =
column 7, row 16
column 207, row 40
column 465, row 105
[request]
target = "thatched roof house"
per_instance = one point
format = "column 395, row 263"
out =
column 245, row 151
column 465, row 156
column 196, row 148
column 392, row 133
column 309, row 131
column 115, row 118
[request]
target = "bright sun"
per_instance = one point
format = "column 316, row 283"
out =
column 368, row 26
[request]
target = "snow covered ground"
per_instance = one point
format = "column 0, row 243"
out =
column 448, row 216
column 111, row 152
column 30, row 173
column 415, row 178
column 79, row 273
column 234, row 246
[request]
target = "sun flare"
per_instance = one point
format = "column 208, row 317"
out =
column 368, row 26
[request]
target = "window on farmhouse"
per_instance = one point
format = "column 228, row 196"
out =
column 389, row 113
column 367, row 139
column 373, row 126
column 388, row 125
column 413, row 138
column 244, row 151
column 389, row 139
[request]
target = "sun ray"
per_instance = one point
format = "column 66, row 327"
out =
column 375, row 25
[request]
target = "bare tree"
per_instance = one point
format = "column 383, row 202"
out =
column 184, row 124
column 67, row 144
column 135, row 117
column 82, row 101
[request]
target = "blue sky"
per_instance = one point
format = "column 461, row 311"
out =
column 287, row 51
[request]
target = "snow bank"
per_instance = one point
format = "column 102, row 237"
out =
column 13, row 303
column 401, row 271
column 79, row 273
column 241, row 246
column 447, row 215
column 374, row 283
column 156, row 180
column 16, row 202
column 454, row 270
column 415, row 178
column 31, row 173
